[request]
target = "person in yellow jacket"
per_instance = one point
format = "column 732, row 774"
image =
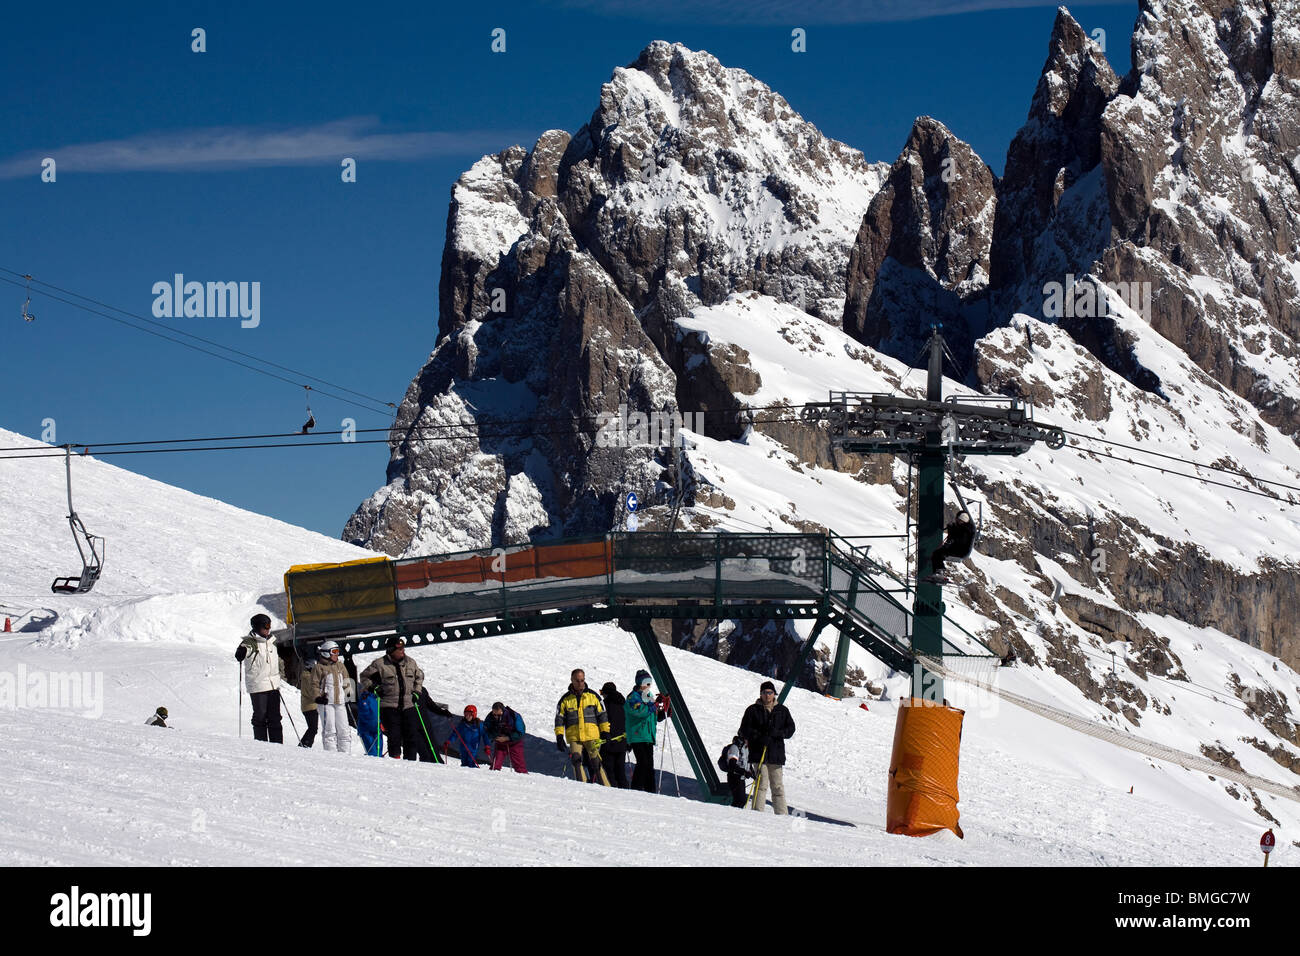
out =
column 581, row 725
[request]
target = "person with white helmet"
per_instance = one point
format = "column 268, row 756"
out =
column 307, row 692
column 331, row 680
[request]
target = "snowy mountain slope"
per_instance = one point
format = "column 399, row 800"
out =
column 1005, row 592
column 638, row 265
column 162, row 540
column 1032, row 792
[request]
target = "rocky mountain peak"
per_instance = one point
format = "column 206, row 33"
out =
column 565, row 270
column 922, row 250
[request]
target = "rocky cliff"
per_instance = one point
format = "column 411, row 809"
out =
column 699, row 248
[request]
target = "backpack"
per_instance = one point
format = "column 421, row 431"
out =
column 723, row 762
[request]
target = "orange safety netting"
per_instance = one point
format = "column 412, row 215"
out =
column 923, row 769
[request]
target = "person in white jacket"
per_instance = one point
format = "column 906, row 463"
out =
column 263, row 669
column 331, row 679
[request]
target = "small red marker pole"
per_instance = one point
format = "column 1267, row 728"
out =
column 1266, row 845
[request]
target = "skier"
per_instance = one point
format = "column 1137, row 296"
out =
column 580, row 726
column 641, row 723
column 368, row 723
column 958, row 544
column 330, row 680
column 472, row 737
column 307, row 697
column 613, row 754
column 397, row 680
column 158, row 718
column 766, row 727
column 505, row 729
column 438, row 719
column 262, row 678
column 735, row 763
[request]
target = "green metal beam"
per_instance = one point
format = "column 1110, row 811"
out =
column 793, row 675
column 841, row 666
column 705, row 774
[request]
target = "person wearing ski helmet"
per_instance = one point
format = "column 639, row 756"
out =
column 641, row 722
column 263, row 670
column 158, row 718
column 397, row 681
column 470, row 734
column 735, row 761
column 330, row 679
column 307, row 700
column 766, row 726
column 957, row 544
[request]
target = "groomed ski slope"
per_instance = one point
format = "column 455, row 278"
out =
column 107, row 789
column 91, row 791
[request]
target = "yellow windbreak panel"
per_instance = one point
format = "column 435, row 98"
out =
column 337, row 596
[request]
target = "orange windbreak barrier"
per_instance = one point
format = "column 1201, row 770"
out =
column 520, row 566
column 923, row 770
column 589, row 559
column 414, row 575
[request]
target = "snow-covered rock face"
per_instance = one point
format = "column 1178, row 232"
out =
column 1201, row 152
column 691, row 250
column 564, row 271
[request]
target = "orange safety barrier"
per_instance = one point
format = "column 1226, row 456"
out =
column 411, row 576
column 589, row 559
column 923, row 769
column 459, row 571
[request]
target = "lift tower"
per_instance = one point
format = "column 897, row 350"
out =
column 929, row 432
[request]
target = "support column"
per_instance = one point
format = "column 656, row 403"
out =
column 840, row 668
column 927, row 621
column 793, row 674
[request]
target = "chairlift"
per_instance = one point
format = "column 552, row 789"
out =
column 90, row 566
column 28, row 316
column 311, row 419
column 979, row 523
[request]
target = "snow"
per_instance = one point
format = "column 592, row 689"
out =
column 1033, row 792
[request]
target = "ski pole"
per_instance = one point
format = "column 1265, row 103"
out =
column 436, row 758
column 659, row 785
column 288, row 713
column 241, row 699
column 758, row 777
column 464, row 746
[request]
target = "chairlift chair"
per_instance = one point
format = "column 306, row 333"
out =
column 92, row 565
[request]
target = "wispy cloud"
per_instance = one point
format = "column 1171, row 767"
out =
column 239, row 147
column 792, row 13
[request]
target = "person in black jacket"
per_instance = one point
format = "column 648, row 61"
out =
column 613, row 753
column 958, row 544
column 767, row 725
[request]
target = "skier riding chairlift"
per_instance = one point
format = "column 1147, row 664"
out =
column 964, row 531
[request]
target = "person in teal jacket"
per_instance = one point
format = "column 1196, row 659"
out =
column 639, row 710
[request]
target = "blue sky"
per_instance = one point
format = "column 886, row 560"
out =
column 194, row 180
